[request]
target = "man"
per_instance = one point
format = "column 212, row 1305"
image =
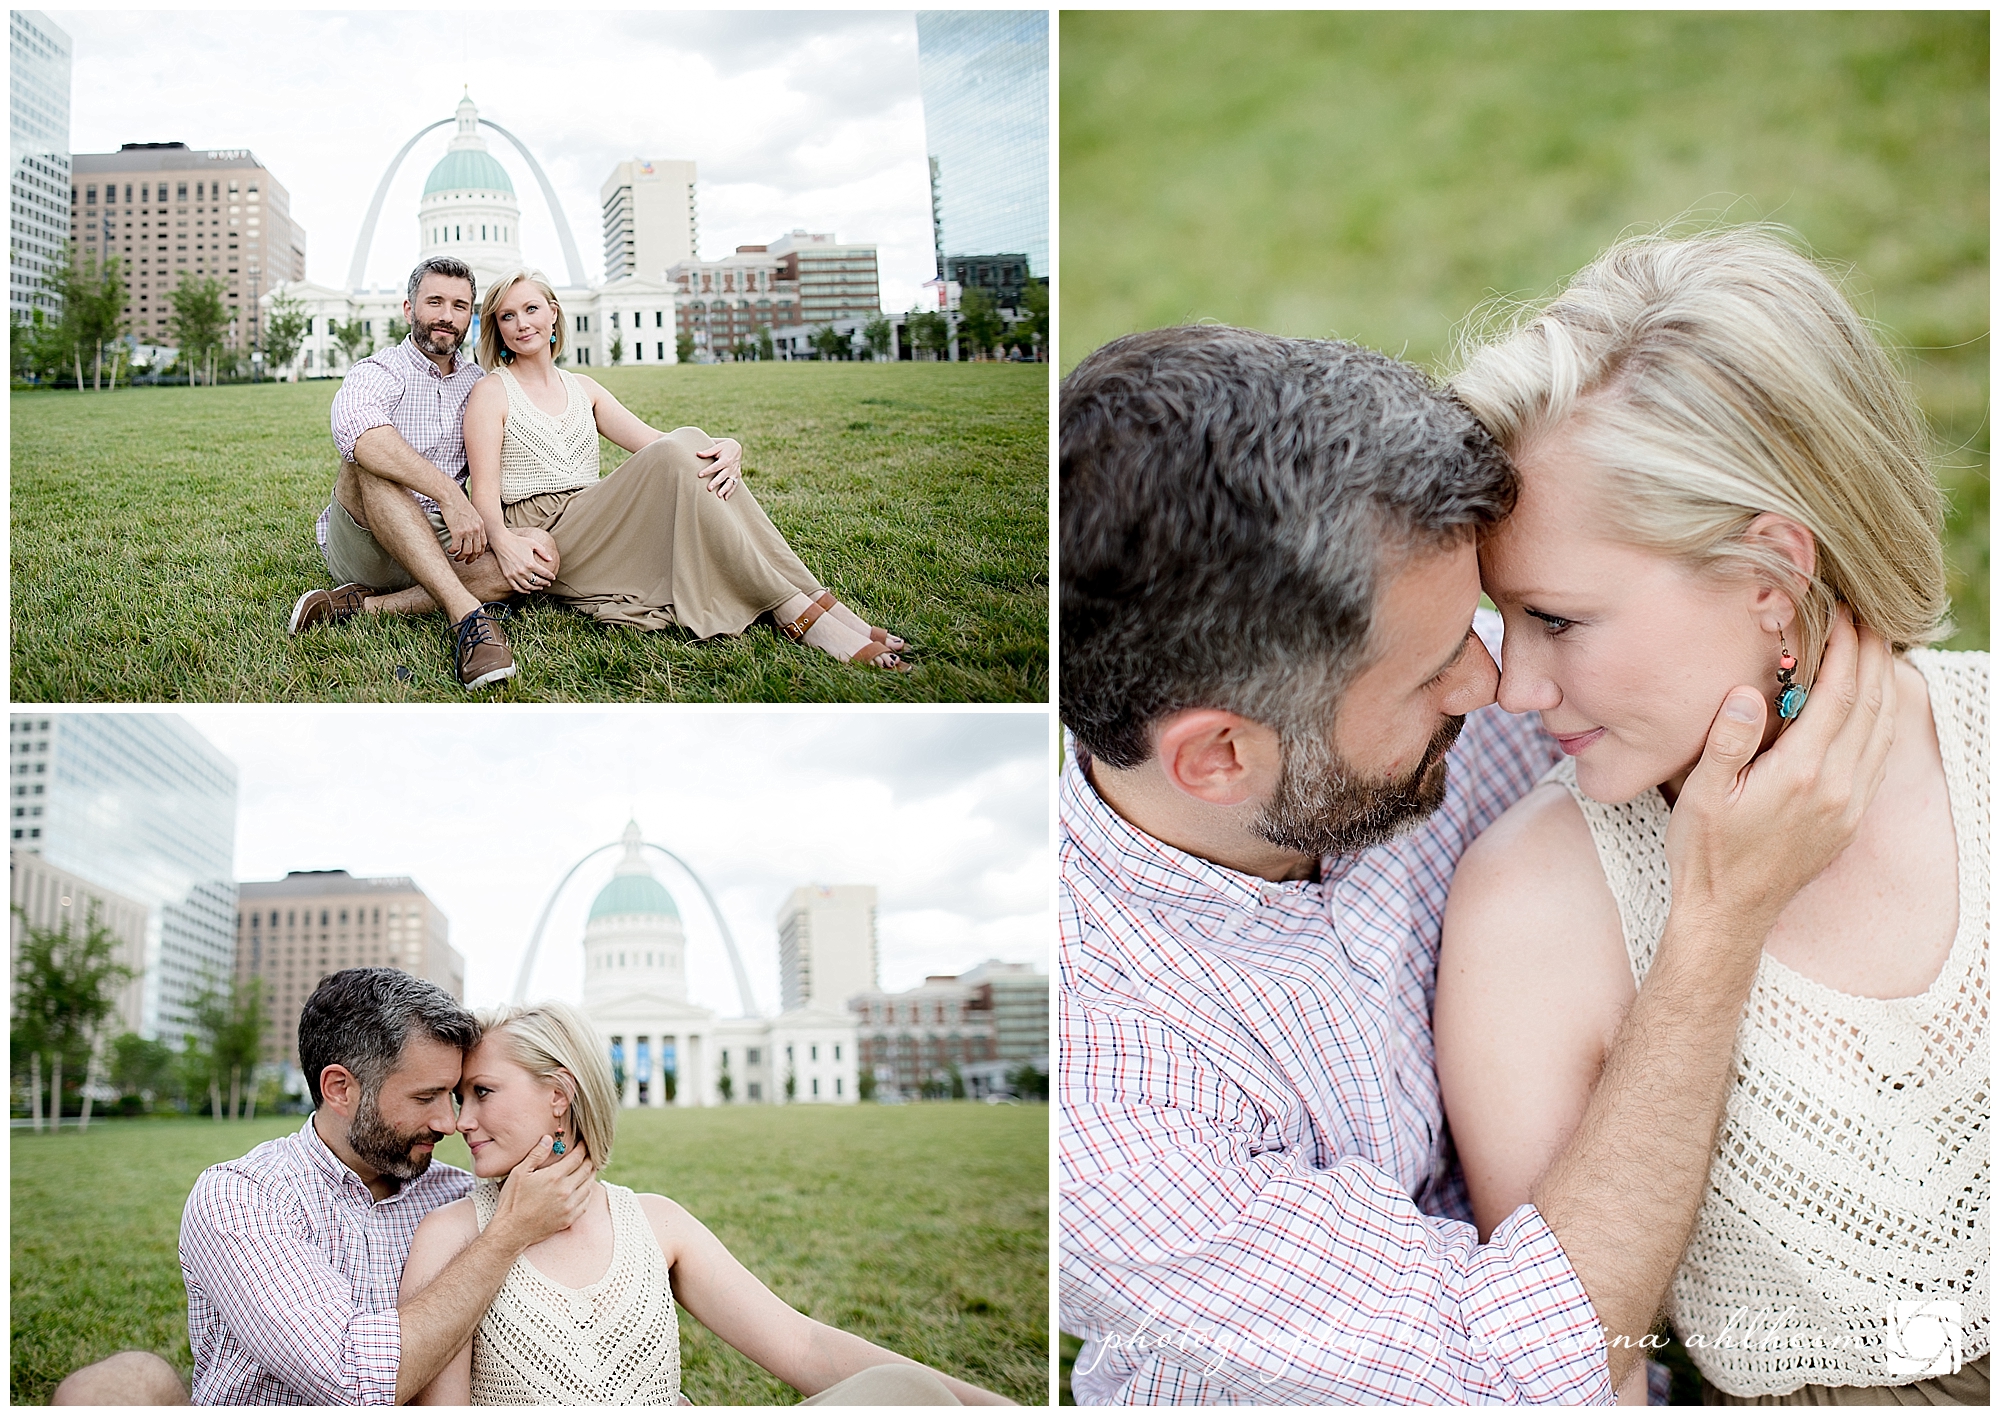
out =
column 1269, row 581
column 400, row 532
column 292, row 1254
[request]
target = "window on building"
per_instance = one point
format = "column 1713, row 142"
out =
column 754, row 1057
column 815, row 1086
column 90, row 196
column 659, row 319
column 836, row 1052
column 836, row 1086
column 660, row 352
column 815, row 1052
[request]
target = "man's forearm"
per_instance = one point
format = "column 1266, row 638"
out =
column 1623, row 1194
column 437, row 1322
column 382, row 452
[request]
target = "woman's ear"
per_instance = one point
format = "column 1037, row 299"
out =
column 1781, row 539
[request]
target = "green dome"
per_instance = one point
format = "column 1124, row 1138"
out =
column 468, row 170
column 633, row 895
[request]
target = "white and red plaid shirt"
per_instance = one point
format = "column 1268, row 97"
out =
column 291, row 1268
column 1258, row 1199
column 400, row 388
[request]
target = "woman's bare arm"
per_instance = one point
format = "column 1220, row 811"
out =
column 732, row 1303
column 1533, row 980
column 484, row 428
column 443, row 1233
column 615, row 421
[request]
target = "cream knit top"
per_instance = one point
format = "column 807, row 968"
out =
column 1851, row 1172
column 539, row 453
column 613, row 1343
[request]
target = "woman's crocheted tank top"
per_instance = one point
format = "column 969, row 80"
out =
column 615, row 1342
column 539, row 453
column 1851, row 1174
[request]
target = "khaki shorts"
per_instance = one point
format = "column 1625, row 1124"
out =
column 354, row 556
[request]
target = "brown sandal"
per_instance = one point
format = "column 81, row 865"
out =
column 874, row 654
column 875, row 632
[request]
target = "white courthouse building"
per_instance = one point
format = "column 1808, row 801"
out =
column 470, row 210
column 668, row 1051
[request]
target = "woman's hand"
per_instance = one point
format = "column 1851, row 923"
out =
column 725, row 474
column 525, row 564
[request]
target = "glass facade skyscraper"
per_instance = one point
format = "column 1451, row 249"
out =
column 141, row 804
column 985, row 77
column 38, row 54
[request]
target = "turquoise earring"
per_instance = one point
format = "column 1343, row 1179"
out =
column 1791, row 696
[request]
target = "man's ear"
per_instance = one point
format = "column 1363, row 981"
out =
column 1775, row 533
column 1218, row 757
column 340, row 1090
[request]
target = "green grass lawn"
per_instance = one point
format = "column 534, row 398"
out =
column 923, row 1228
column 1377, row 176
column 161, row 536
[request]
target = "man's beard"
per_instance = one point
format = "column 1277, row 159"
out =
column 1321, row 808
column 426, row 336
column 385, row 1149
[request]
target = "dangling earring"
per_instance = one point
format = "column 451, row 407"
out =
column 1791, row 696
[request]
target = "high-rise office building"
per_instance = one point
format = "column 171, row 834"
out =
column 168, row 210
column 1016, row 998
column 649, row 219
column 38, row 57
column 294, row 932
column 985, row 78
column 834, row 281
column 826, row 946
column 141, row 804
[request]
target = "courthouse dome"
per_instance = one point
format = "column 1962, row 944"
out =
column 468, row 170
column 633, row 895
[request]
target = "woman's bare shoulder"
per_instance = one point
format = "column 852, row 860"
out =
column 450, row 1220
column 488, row 392
column 1531, row 888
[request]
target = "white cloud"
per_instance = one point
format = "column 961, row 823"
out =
column 795, row 119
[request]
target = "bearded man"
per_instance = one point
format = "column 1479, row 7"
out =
column 292, row 1255
column 1269, row 647
column 400, row 532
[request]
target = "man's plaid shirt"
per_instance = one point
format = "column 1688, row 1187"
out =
column 401, row 389
column 291, row 1268
column 1258, row 1200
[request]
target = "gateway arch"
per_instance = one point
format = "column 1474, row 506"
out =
column 357, row 272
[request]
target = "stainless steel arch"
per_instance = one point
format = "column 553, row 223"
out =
column 744, row 998
column 357, row 271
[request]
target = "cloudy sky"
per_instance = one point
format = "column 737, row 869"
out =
column 806, row 119
column 945, row 812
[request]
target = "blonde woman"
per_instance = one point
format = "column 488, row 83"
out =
column 1717, row 458
column 587, row 1315
column 673, row 537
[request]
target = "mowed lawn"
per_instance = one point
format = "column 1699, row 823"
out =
column 1378, row 176
column 923, row 1228
column 161, row 536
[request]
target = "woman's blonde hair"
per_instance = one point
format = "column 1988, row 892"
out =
column 558, row 1047
column 1718, row 376
column 490, row 347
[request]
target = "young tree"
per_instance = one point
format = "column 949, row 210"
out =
column 684, row 347
column 618, row 348
column 878, row 335
column 930, row 330
column 979, row 322
column 197, row 322
column 1035, row 300
column 866, row 1084
column 766, row 349
column 229, row 1028
column 141, row 1067
column 350, row 335
column 284, row 331
column 65, row 988
column 724, row 1083
column 831, row 343
column 398, row 330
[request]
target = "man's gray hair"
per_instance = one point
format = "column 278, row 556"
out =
column 442, row 265
column 362, row 1018
column 1228, row 500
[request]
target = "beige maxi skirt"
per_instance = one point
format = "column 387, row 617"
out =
column 651, row 546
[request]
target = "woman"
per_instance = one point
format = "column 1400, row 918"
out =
column 1716, row 457
column 587, row 1315
column 671, row 537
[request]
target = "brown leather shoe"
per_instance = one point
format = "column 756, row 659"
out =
column 328, row 606
column 479, row 647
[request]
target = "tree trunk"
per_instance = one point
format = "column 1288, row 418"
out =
column 35, row 1088
column 89, row 1075
column 55, row 1094
column 251, row 1095
column 215, row 1100
column 78, row 353
column 235, row 1091
column 97, row 371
